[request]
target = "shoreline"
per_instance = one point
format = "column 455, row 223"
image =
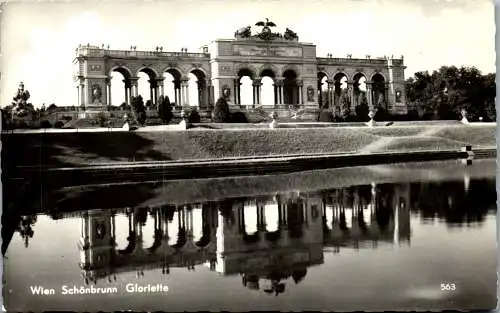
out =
column 198, row 169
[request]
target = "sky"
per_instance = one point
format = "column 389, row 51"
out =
column 38, row 39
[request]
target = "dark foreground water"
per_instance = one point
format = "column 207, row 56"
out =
column 417, row 237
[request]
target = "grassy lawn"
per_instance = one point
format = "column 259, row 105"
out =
column 69, row 149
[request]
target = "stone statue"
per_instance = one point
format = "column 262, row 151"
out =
column 96, row 94
column 290, row 35
column 244, row 32
column 398, row 96
column 310, row 94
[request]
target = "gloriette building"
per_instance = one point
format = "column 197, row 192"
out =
column 300, row 78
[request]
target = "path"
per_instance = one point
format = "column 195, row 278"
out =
column 385, row 141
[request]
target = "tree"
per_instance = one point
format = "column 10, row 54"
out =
column 345, row 107
column 139, row 109
column 362, row 110
column 448, row 90
column 221, row 111
column 165, row 109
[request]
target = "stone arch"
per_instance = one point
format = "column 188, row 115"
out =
column 379, row 90
column 290, row 87
column 172, row 88
column 290, row 68
column 359, row 89
column 124, row 70
column 374, row 74
column 323, row 89
column 174, row 71
column 199, row 71
column 268, row 70
column 340, row 74
column 248, row 69
column 152, row 75
column 151, row 72
column 268, row 90
column 200, row 87
column 339, row 82
column 245, row 92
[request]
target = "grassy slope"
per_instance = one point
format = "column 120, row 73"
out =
column 66, row 149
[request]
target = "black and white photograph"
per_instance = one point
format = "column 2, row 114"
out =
column 210, row 155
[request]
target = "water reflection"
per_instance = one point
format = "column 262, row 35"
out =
column 269, row 241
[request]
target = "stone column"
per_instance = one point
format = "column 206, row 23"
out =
column 151, row 94
column 184, row 92
column 135, row 89
column 206, row 93
column 236, row 88
column 299, row 86
column 350, row 90
column 279, row 91
column 108, row 91
column 330, row 93
column 369, row 95
column 82, row 94
column 186, row 88
column 159, row 89
column 282, row 98
column 256, row 85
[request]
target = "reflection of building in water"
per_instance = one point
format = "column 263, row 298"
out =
column 364, row 214
column 268, row 238
column 100, row 258
column 274, row 239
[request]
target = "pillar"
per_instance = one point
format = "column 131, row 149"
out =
column 159, row 89
column 135, row 89
column 369, row 95
column 82, row 94
column 299, row 86
column 350, row 90
column 330, row 93
column 256, row 86
column 236, row 88
column 282, row 99
column 108, row 91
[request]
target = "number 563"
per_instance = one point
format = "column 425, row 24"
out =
column 448, row 286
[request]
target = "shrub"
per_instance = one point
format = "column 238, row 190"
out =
column 165, row 109
column 193, row 116
column 325, row 116
column 59, row 124
column 362, row 112
column 381, row 114
column 45, row 124
column 221, row 111
column 239, row 117
column 139, row 109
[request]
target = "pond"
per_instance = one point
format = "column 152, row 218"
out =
column 390, row 237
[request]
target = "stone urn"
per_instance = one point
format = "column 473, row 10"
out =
column 274, row 122
column 371, row 115
column 183, row 124
column 464, row 116
column 126, row 125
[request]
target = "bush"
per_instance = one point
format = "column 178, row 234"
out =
column 325, row 116
column 45, row 124
column 59, row 124
column 193, row 116
column 239, row 117
column 362, row 112
column 382, row 114
column 165, row 109
column 221, row 111
column 139, row 109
